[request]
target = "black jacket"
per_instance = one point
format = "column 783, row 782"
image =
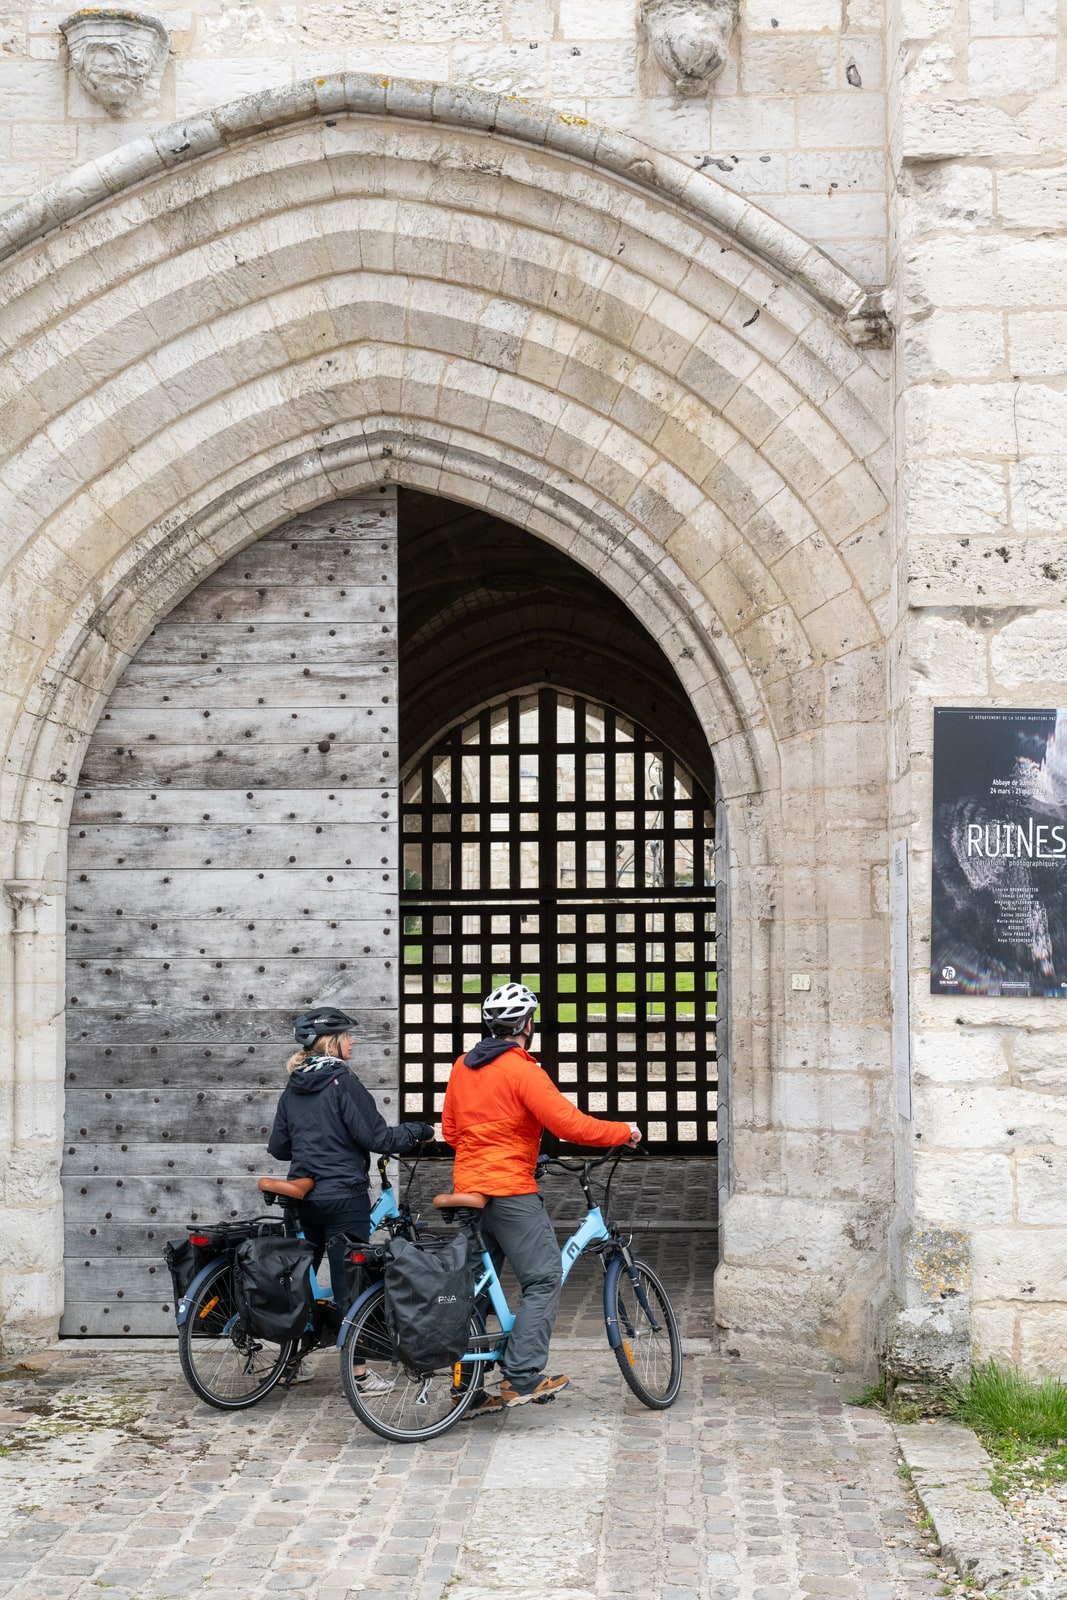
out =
column 326, row 1124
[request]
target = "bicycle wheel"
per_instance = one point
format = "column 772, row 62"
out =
column 650, row 1354
column 414, row 1405
column 221, row 1361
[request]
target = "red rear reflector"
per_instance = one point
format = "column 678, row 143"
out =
column 357, row 1257
column 199, row 1238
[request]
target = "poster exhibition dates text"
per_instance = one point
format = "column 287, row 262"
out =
column 999, row 901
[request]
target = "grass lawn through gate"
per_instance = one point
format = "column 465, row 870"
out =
column 678, row 986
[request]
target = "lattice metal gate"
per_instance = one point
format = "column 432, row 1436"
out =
column 550, row 838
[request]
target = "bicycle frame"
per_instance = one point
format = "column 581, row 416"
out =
column 384, row 1208
column 592, row 1230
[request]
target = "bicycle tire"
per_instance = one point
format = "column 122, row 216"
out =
column 221, row 1362
column 416, row 1406
column 650, row 1359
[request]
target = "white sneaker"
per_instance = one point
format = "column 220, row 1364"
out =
column 303, row 1374
column 373, row 1383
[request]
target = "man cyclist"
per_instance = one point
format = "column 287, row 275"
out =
column 498, row 1102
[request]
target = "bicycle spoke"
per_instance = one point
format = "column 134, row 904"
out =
column 221, row 1362
column 392, row 1400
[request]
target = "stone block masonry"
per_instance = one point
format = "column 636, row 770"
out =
column 979, row 146
column 808, row 86
column 623, row 338
column 601, row 368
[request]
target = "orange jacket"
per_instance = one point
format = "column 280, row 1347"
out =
column 493, row 1117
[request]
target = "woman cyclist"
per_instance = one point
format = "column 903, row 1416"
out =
column 325, row 1126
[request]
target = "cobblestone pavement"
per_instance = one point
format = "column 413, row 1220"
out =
column 116, row 1481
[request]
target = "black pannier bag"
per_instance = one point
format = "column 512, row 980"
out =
column 184, row 1261
column 272, row 1286
column 186, row 1257
column 429, row 1300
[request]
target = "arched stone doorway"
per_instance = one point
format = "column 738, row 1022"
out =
column 357, row 282
column 233, row 858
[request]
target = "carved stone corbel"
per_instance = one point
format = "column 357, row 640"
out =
column 690, row 38
column 869, row 323
column 117, row 56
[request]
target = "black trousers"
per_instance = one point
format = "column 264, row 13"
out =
column 321, row 1219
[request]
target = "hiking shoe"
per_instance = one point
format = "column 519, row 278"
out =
column 484, row 1404
column 539, row 1390
column 372, row 1382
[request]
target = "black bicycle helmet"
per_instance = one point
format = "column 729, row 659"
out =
column 313, row 1025
column 508, row 1007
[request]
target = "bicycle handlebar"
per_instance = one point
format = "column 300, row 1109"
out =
column 419, row 1150
column 585, row 1164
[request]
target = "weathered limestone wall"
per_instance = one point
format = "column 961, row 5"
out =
column 796, row 118
column 980, row 145
column 690, row 420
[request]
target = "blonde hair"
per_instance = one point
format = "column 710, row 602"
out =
column 327, row 1044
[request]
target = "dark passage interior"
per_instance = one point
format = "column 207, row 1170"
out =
column 486, row 609
column 557, row 824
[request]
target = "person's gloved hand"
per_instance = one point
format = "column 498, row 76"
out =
column 427, row 1131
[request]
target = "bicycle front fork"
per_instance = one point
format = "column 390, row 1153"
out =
column 623, row 1261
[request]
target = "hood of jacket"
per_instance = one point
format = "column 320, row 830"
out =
column 487, row 1050
column 319, row 1072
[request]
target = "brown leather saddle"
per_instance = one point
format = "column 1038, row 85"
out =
column 449, row 1204
column 291, row 1188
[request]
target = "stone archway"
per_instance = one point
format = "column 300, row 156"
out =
column 313, row 292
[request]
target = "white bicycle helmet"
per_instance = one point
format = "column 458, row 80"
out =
column 506, row 1010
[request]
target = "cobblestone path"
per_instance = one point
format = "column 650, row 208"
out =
column 116, row 1483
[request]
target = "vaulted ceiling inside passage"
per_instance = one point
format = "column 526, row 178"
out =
column 486, row 608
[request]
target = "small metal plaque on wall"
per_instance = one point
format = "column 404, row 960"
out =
column 999, row 892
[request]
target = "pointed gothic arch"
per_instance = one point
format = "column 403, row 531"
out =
column 309, row 293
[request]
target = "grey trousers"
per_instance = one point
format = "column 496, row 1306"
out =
column 517, row 1226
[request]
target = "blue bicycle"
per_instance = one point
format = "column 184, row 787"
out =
column 222, row 1361
column 641, row 1326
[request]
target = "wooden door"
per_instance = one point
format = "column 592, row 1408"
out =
column 232, row 861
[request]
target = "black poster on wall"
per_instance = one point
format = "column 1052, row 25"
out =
column 999, row 902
